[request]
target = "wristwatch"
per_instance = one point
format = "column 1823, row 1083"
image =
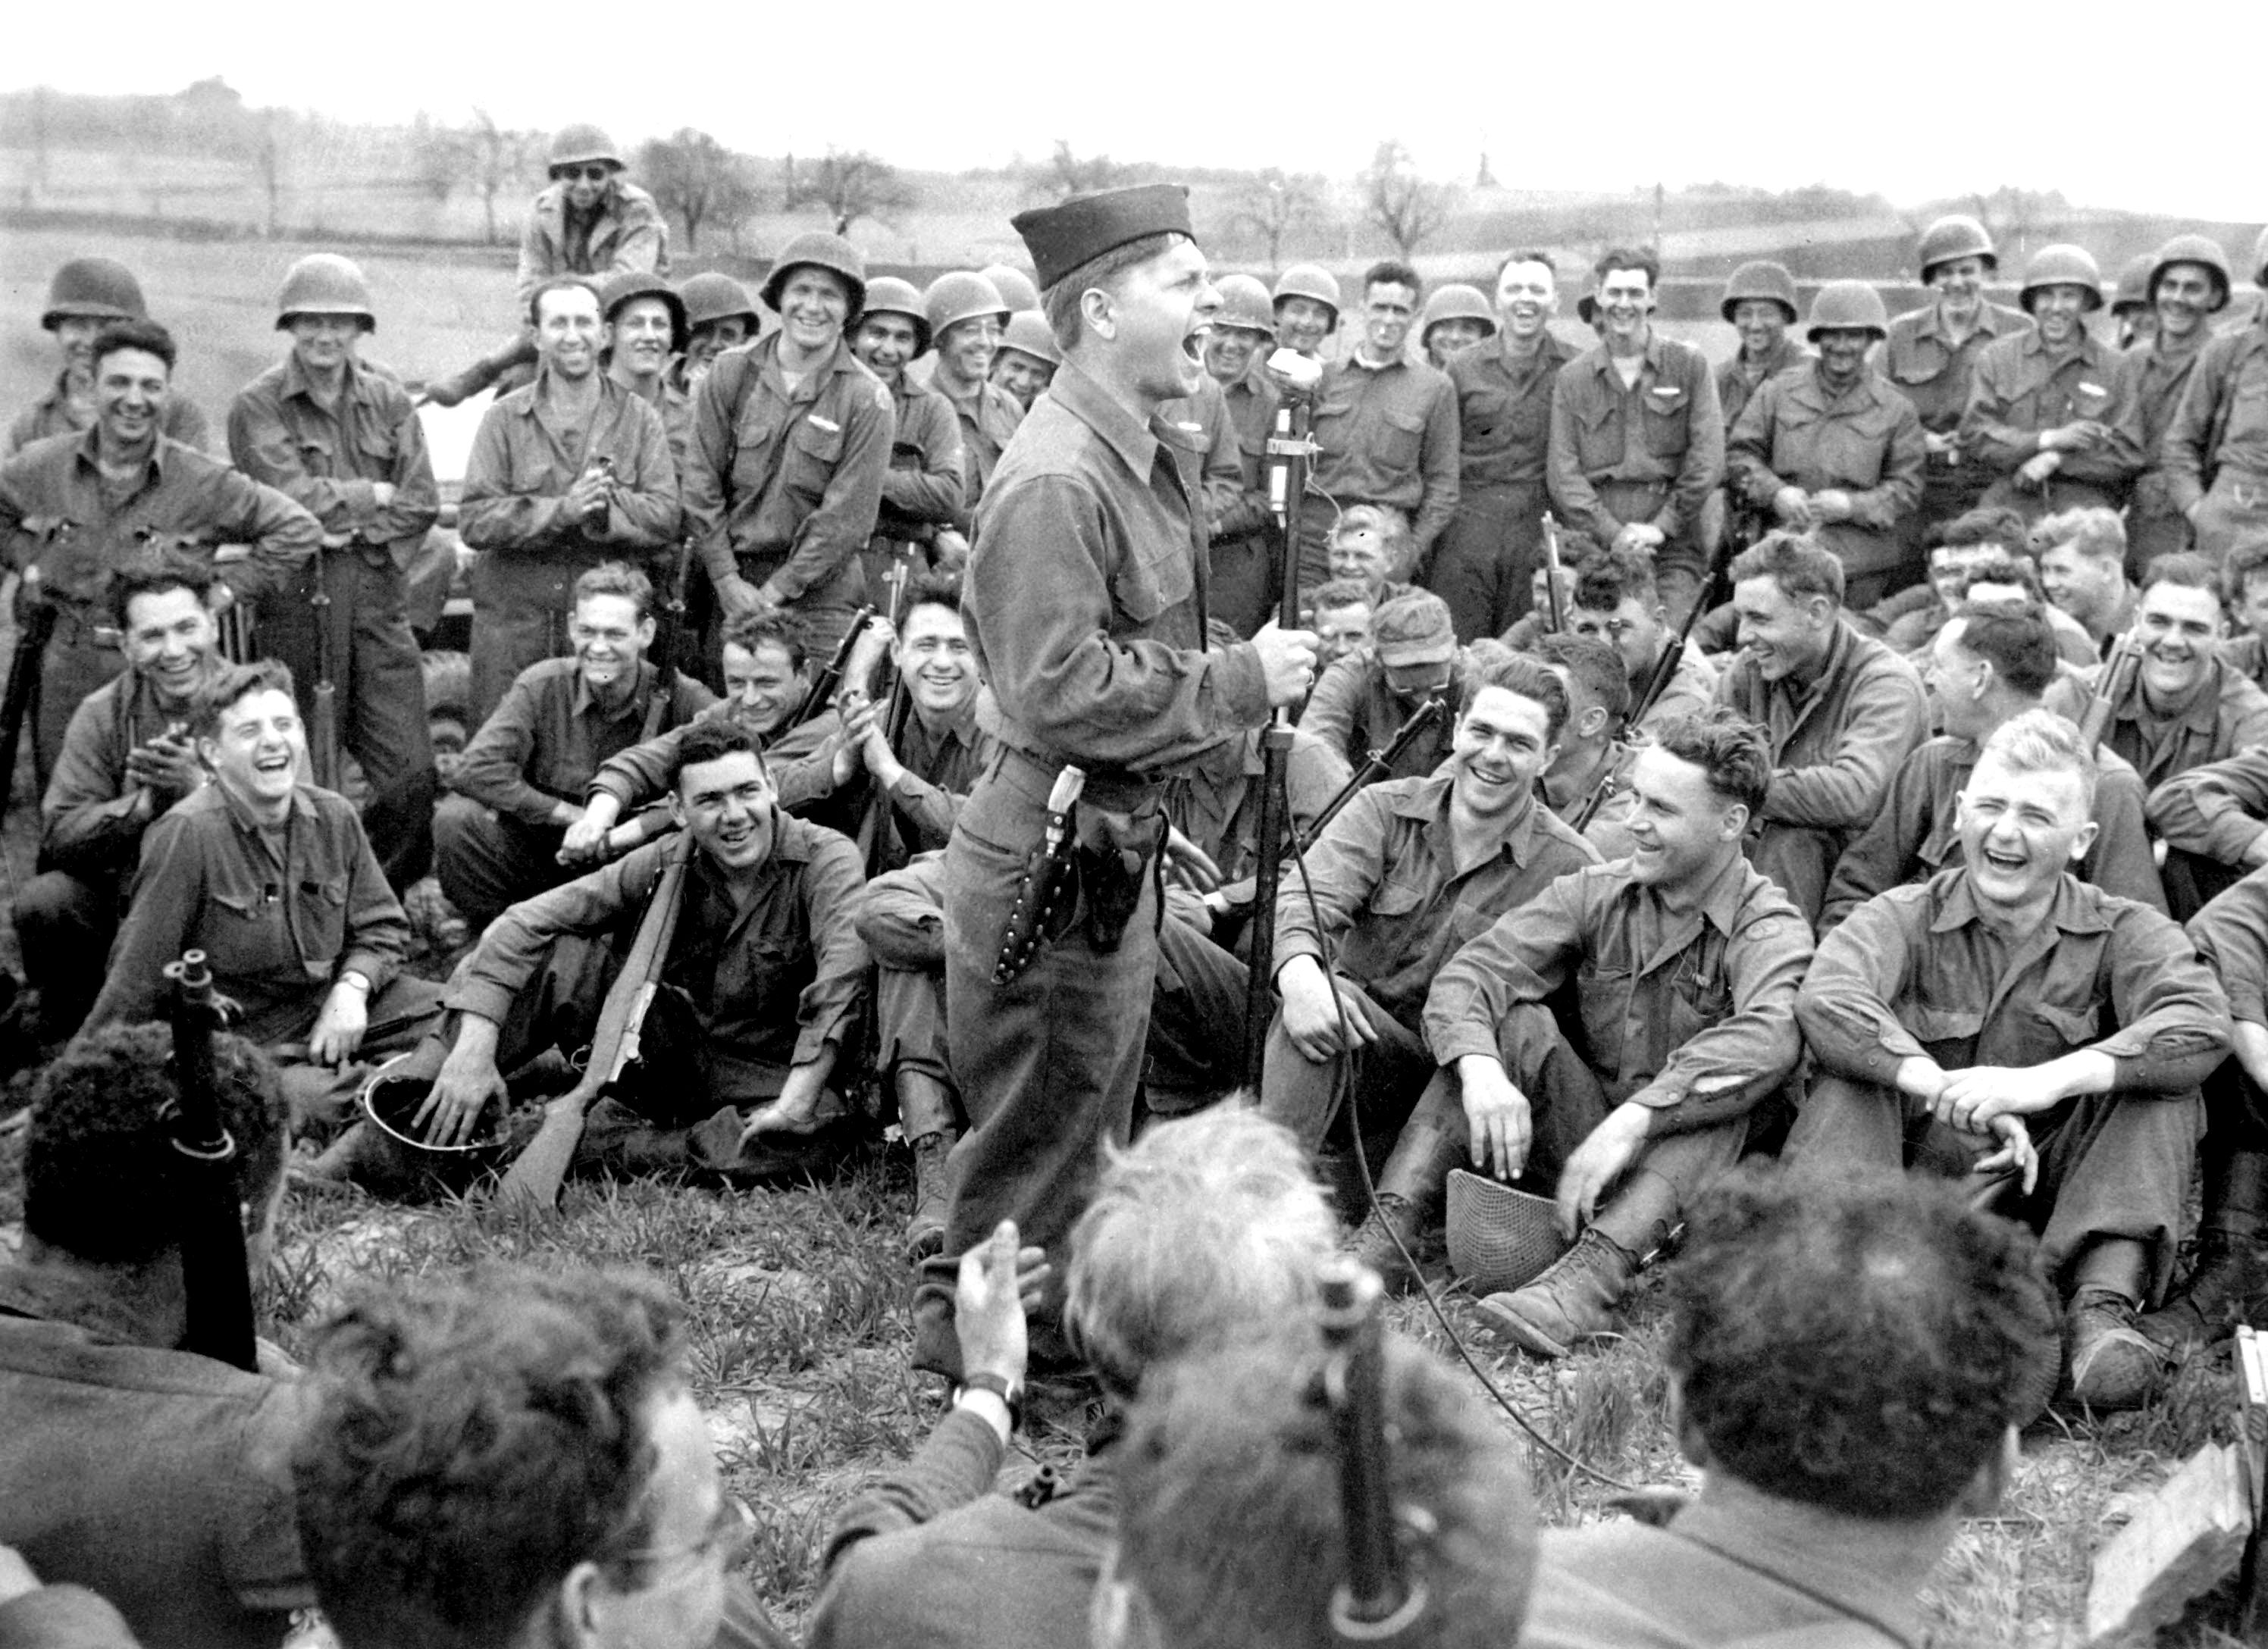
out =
column 1000, row 1387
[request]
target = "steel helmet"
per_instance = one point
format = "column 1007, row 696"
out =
column 2133, row 290
column 2187, row 249
column 887, row 294
column 1014, row 286
column 824, row 251
column 580, row 144
column 1245, row 303
column 1763, row 279
column 1456, row 301
column 94, row 289
column 1310, row 280
column 715, row 296
column 1028, row 332
column 325, row 284
column 960, row 295
column 2260, row 259
column 1958, row 236
column 2061, row 265
column 626, row 284
column 1842, row 305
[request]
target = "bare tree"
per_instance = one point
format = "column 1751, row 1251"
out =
column 849, row 186
column 498, row 159
column 698, row 179
column 1067, row 174
column 1270, row 204
column 1408, row 208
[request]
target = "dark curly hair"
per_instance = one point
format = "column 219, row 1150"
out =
column 1605, row 578
column 474, row 1438
column 231, row 686
column 1856, row 1344
column 1517, row 672
column 1590, row 661
column 749, row 631
column 710, row 738
column 1730, row 748
column 1799, row 563
column 102, row 1177
column 141, row 334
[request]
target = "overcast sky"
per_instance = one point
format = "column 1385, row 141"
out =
column 1913, row 102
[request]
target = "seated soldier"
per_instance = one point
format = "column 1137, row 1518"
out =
column 1409, row 872
column 2082, row 556
column 760, row 991
column 1614, row 601
column 275, row 882
column 1990, row 665
column 514, row 1459
column 126, row 758
column 1848, row 1368
column 1677, row 968
column 501, row 837
column 1231, row 1533
column 1360, row 702
column 1588, row 785
column 2005, row 1011
column 2244, row 593
column 151, row 1474
column 1969, row 546
column 1370, row 546
column 1206, row 1231
column 1339, row 615
column 1841, row 710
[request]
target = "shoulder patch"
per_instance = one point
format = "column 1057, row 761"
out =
column 1776, row 926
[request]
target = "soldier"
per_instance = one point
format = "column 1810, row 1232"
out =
column 1488, row 554
column 1306, row 298
column 1637, row 440
column 1615, row 601
column 1990, row 664
column 77, row 509
column 2244, row 593
column 2132, row 312
column 1384, row 426
column 1759, row 304
column 2188, row 281
column 790, row 440
column 1831, row 449
column 720, row 315
column 2215, row 451
column 1593, row 756
column 2042, row 403
column 1085, row 608
column 926, row 490
column 504, row 835
column 1989, row 546
column 2083, row 568
column 1027, row 358
column 1338, row 613
column 344, row 442
column 966, row 315
column 568, row 472
column 1931, row 355
column 2036, row 1028
column 1246, row 564
column 1015, row 289
column 646, row 328
column 86, row 295
column 1683, row 964
column 1360, row 702
column 590, row 221
column 1841, row 710
column 1456, row 317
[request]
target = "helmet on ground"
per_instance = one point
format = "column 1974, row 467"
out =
column 715, row 296
column 94, row 289
column 1029, row 332
column 887, row 294
column 627, row 284
column 1762, row 278
column 325, row 284
column 820, row 250
column 1958, row 236
column 961, row 295
column 1842, row 305
column 1014, row 286
column 1308, row 280
column 1245, row 303
column 2061, row 265
column 581, row 144
column 2187, row 249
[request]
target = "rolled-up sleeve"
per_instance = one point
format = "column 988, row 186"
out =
column 516, row 942
column 1843, row 1006
column 2214, row 811
column 2173, row 1015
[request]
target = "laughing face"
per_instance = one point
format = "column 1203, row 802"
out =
column 1960, row 283
column 814, row 304
column 1527, row 293
column 2179, row 627
column 726, row 806
column 1625, row 299
column 2019, row 831
column 569, row 332
column 1785, row 634
column 255, row 754
column 1761, row 323
column 642, row 333
column 1502, row 748
column 935, row 659
column 609, row 639
column 167, row 637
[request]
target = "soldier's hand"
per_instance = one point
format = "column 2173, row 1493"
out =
column 1830, row 506
column 1287, row 657
column 2016, row 1152
column 1937, row 445
column 167, row 764
column 999, row 1282
column 451, row 1111
column 1592, row 1168
column 1640, row 535
column 381, row 494
column 586, row 840
column 589, row 495
column 339, row 1027
column 1314, row 1006
column 1972, row 1099
column 951, row 550
column 2035, row 470
column 1188, row 865
column 1496, row 1116
column 1792, row 505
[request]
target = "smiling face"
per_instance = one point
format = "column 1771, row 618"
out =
column 934, row 656
column 587, row 183
column 1357, row 553
column 2178, row 627
column 167, row 638
column 609, row 639
column 1843, row 353
column 1026, row 377
column 75, row 337
column 323, row 343
column 763, row 684
column 966, row 347
column 1785, row 634
column 814, row 304
column 1228, row 356
column 1761, row 323
column 726, row 806
column 642, row 333
column 2082, row 586
column 2021, row 831
column 255, row 754
column 884, row 343
column 1527, row 296
column 1501, row 748
column 1960, row 283
column 2056, row 311
column 1303, row 323
column 711, row 338
column 1679, row 826
column 1446, row 339
column 569, row 332
column 1625, row 298
column 2184, row 296
column 131, row 387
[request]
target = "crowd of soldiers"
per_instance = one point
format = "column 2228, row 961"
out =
column 1851, row 753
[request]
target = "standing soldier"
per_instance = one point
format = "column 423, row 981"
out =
column 1085, row 604
column 1027, row 358
column 1307, row 299
column 1247, row 570
column 76, row 509
column 645, row 329
column 1759, row 304
column 925, row 487
column 86, row 295
column 2186, row 282
column 568, row 472
column 1488, row 555
column 2215, row 452
column 720, row 315
column 966, row 316
column 791, row 438
column 1931, row 351
column 344, row 442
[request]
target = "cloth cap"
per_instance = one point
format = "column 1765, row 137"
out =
column 1083, row 228
column 1414, row 629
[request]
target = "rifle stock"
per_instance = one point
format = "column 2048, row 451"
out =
column 2111, row 686
column 1558, row 602
column 36, row 627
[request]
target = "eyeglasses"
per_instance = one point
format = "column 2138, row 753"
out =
column 732, row 1528
column 588, row 174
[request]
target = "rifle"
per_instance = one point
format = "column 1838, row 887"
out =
column 1378, row 1599
column 1378, row 761
column 667, row 640
column 323, row 724
column 35, row 629
column 214, row 1274
column 873, row 830
column 823, row 684
column 2111, row 686
column 534, row 1177
column 1551, row 574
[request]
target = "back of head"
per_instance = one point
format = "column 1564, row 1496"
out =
column 2015, row 639
column 1229, row 1524
column 1985, row 526
column 1591, row 665
column 474, row 1439
column 1859, row 1345
column 1201, row 1232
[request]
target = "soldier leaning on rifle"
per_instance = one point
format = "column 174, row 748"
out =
column 344, row 442
column 75, row 509
column 86, row 295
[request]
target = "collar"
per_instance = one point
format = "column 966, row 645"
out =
column 792, row 842
column 303, row 807
column 1838, row 649
column 89, row 450
column 1358, row 359
column 2087, row 348
column 1428, row 803
column 1077, row 393
column 610, row 393
column 1649, row 357
column 2200, row 712
column 1721, row 902
column 1810, row 389
column 2069, row 912
column 296, row 381
column 1988, row 320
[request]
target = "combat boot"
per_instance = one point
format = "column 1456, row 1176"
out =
column 932, row 1195
column 2228, row 1288
column 1392, row 1215
column 2108, row 1364
column 1574, row 1301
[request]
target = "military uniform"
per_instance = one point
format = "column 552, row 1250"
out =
column 1933, row 372
column 1384, row 435
column 628, row 233
column 989, row 417
column 941, row 767
column 2151, row 380
column 1247, row 555
column 926, row 487
column 1353, row 710
column 1243, row 567
column 2215, row 450
column 1485, row 563
column 326, row 459
column 1737, row 381
column 2020, row 389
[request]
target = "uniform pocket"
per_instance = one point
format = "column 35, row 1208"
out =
column 2078, row 1029
column 1668, row 410
column 1401, row 439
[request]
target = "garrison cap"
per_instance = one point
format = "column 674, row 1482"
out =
column 1413, row 628
column 1081, row 229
